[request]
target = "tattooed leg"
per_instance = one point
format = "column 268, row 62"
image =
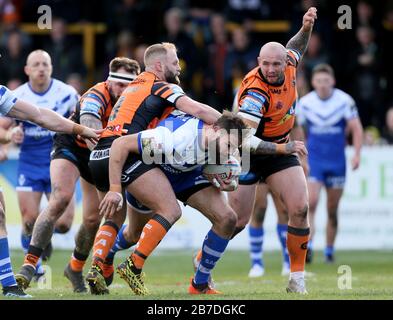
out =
column 64, row 175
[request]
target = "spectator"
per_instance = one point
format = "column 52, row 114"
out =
column 244, row 11
column 388, row 129
column 217, row 52
column 75, row 81
column 240, row 59
column 139, row 54
column 13, row 59
column 371, row 136
column 314, row 55
column 66, row 54
column 187, row 51
column 125, row 44
column 364, row 69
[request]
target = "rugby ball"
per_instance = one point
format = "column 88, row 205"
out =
column 231, row 169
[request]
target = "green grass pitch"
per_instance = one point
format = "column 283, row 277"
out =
column 168, row 273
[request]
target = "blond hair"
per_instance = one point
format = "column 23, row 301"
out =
column 157, row 50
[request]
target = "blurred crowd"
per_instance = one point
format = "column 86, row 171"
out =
column 217, row 43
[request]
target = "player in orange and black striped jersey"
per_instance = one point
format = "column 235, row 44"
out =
column 151, row 96
column 267, row 100
column 69, row 161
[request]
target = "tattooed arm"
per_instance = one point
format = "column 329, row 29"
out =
column 299, row 42
column 90, row 121
column 257, row 146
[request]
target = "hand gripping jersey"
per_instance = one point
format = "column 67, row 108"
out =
column 271, row 106
column 143, row 102
column 37, row 142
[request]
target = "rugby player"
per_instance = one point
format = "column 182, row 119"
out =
column 11, row 106
column 184, row 172
column 70, row 159
column 151, row 96
column 34, row 158
column 328, row 115
column 267, row 100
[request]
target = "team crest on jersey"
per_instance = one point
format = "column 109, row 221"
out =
column 21, row 179
column 279, row 105
column 293, row 82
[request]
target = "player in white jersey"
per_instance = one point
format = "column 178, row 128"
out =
column 34, row 158
column 188, row 140
column 328, row 114
column 12, row 107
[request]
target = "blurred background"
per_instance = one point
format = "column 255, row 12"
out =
column 218, row 42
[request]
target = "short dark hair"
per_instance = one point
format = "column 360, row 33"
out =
column 323, row 67
column 130, row 65
column 231, row 121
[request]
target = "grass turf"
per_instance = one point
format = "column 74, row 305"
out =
column 168, row 275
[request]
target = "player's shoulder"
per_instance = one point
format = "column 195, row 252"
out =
column 160, row 85
column 23, row 88
column 309, row 97
column 342, row 96
column 253, row 81
column 60, row 86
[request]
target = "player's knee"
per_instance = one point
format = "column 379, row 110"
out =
column 28, row 225
column 59, row 202
column 92, row 223
column 300, row 212
column 227, row 221
column 171, row 214
column 132, row 235
column 332, row 218
column 63, row 228
column 2, row 219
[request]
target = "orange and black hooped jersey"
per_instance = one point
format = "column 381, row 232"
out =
column 96, row 102
column 143, row 102
column 272, row 107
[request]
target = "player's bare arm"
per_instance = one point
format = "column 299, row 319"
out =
column 261, row 147
column 300, row 40
column 199, row 110
column 356, row 130
column 92, row 122
column 119, row 152
column 50, row 120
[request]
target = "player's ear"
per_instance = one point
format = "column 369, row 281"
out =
column 27, row 70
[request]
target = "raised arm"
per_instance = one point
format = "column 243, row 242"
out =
column 300, row 40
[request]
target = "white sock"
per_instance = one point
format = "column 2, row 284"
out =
column 296, row 275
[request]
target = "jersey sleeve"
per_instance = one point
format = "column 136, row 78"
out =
column 252, row 104
column 293, row 57
column 92, row 104
column 7, row 100
column 168, row 91
column 351, row 111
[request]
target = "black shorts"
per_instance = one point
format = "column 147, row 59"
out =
column 261, row 167
column 99, row 167
column 65, row 147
